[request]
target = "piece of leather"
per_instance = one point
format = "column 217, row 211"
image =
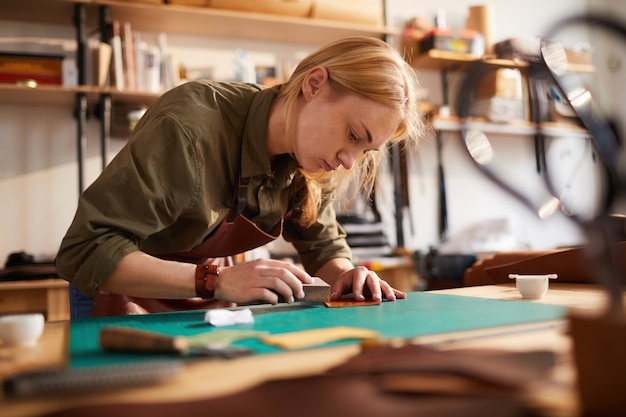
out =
column 314, row 337
column 496, row 367
column 351, row 302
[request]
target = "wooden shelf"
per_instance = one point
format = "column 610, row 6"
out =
column 43, row 94
column 198, row 21
column 454, row 125
column 138, row 98
column 66, row 96
column 438, row 60
column 444, row 60
column 520, row 128
column 239, row 25
column 171, row 19
column 46, row 11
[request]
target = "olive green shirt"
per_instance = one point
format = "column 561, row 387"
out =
column 174, row 182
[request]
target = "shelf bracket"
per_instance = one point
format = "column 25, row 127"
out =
column 105, row 106
column 397, row 192
column 80, row 14
column 80, row 17
column 81, row 134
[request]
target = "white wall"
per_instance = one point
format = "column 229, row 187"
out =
column 38, row 170
column 472, row 198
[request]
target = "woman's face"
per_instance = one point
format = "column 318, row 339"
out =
column 333, row 130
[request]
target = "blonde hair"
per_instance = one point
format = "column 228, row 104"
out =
column 372, row 69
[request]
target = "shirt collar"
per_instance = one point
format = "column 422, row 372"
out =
column 255, row 156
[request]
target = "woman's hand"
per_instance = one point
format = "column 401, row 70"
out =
column 261, row 280
column 344, row 278
column 362, row 282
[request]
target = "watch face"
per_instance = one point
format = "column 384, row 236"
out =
column 576, row 175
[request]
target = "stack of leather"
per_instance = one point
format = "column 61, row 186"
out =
column 571, row 265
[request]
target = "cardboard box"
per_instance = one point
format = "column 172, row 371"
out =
column 300, row 8
column 367, row 12
column 147, row 1
column 195, row 3
column 499, row 96
column 502, row 82
column 445, row 40
column 498, row 109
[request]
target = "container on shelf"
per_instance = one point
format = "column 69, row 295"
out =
column 195, row 3
column 299, row 8
column 367, row 12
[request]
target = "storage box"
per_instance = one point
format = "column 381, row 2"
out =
column 502, row 82
column 195, row 3
column 44, row 69
column 500, row 96
column 300, row 8
column 147, row 1
column 367, row 12
column 499, row 109
column 445, row 40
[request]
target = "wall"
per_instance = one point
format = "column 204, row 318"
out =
column 38, row 170
column 472, row 199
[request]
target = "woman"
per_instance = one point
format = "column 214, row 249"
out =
column 214, row 169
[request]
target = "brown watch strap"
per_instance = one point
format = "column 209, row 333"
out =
column 206, row 278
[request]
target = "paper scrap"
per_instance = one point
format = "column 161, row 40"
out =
column 222, row 317
column 313, row 337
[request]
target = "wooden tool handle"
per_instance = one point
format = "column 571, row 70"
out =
column 134, row 340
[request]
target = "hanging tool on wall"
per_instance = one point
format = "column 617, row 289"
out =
column 443, row 206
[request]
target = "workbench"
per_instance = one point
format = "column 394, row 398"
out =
column 199, row 380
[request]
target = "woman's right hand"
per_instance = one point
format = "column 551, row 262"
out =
column 261, row 280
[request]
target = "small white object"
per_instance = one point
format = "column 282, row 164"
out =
column 532, row 286
column 221, row 317
column 21, row 329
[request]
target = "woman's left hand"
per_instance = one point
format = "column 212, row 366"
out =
column 362, row 282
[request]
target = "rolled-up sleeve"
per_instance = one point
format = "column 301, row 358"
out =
column 143, row 190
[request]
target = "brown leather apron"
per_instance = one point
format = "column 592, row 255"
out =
column 236, row 234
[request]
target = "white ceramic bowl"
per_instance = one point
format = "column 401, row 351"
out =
column 532, row 286
column 21, row 329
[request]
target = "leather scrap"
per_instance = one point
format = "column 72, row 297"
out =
column 308, row 338
column 469, row 368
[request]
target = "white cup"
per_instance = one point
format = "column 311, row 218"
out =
column 21, row 329
column 532, row 286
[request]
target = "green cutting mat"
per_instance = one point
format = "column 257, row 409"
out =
column 421, row 314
